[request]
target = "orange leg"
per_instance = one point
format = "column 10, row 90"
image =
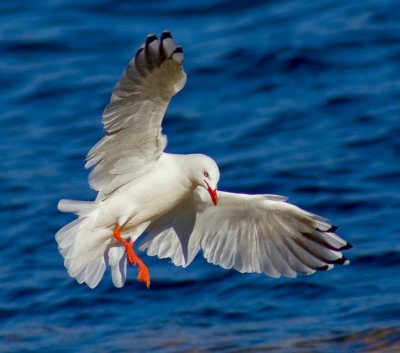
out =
column 143, row 274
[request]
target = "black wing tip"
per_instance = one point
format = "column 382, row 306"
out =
column 323, row 268
column 332, row 229
column 139, row 51
column 151, row 38
column 321, row 242
column 177, row 50
column 340, row 261
column 165, row 35
column 347, row 247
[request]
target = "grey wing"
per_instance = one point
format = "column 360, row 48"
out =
column 132, row 120
column 250, row 233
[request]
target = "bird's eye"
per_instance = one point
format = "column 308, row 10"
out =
column 206, row 174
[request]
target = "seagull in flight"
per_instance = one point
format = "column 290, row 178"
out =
column 172, row 199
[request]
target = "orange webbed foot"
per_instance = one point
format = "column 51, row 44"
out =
column 143, row 274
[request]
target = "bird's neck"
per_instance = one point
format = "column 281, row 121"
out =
column 185, row 165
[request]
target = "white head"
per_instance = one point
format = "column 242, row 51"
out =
column 205, row 173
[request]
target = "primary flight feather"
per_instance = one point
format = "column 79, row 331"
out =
column 173, row 199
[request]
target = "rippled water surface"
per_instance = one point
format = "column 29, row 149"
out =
column 298, row 98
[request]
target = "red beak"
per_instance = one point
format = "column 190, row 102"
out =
column 213, row 194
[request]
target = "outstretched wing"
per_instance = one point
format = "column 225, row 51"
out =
column 250, row 233
column 132, row 120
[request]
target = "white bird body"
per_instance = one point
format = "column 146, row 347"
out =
column 142, row 189
column 149, row 196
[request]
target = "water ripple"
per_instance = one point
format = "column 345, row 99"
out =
column 293, row 98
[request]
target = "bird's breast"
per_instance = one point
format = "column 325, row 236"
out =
column 148, row 198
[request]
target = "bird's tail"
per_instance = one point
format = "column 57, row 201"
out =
column 87, row 249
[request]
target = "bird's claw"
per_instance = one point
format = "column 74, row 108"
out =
column 143, row 275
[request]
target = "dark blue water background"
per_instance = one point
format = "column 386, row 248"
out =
column 298, row 98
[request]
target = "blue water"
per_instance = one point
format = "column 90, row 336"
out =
column 297, row 98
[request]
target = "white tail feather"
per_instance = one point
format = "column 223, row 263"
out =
column 116, row 258
column 80, row 208
column 82, row 246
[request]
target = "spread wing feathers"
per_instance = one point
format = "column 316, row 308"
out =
column 132, row 120
column 250, row 233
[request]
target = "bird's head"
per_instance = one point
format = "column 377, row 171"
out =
column 206, row 175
